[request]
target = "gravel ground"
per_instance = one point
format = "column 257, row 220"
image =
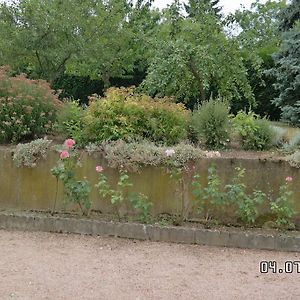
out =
column 59, row 266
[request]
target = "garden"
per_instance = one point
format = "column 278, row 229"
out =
column 181, row 143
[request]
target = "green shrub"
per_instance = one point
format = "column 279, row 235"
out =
column 211, row 122
column 142, row 205
column 121, row 114
column 27, row 108
column 283, row 207
column 69, row 120
column 256, row 133
column 132, row 156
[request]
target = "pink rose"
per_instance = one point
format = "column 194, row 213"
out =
column 69, row 143
column 289, row 179
column 99, row 169
column 64, row 154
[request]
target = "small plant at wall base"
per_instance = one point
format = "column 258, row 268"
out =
column 180, row 173
column 142, row 205
column 282, row 207
column 247, row 205
column 76, row 191
column 117, row 196
column 139, row 202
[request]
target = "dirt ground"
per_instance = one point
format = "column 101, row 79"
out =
column 59, row 266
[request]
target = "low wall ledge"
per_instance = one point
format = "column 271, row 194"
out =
column 237, row 238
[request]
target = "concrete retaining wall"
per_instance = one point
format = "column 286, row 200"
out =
column 25, row 189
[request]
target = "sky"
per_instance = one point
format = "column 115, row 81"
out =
column 228, row 5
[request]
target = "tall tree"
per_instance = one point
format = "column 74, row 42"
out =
column 196, row 8
column 287, row 65
column 84, row 37
column 194, row 58
column 256, row 32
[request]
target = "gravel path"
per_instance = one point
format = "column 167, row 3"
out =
column 59, row 266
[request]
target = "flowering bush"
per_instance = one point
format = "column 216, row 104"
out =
column 76, row 191
column 27, row 108
column 121, row 114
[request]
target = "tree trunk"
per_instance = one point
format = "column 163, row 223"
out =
column 199, row 79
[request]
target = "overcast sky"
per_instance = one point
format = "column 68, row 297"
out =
column 228, row 5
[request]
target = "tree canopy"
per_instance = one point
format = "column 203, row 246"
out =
column 189, row 51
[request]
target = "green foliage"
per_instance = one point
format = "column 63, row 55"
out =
column 246, row 205
column 199, row 67
column 142, row 205
column 247, row 209
column 139, row 202
column 69, row 120
column 117, row 196
column 125, row 115
column 256, row 32
column 256, row 133
column 76, row 191
column 286, row 69
column 212, row 192
column 283, row 207
column 211, row 121
column 214, row 200
column 236, row 190
column 27, row 155
column 134, row 155
column 197, row 192
column 48, row 38
column 27, row 108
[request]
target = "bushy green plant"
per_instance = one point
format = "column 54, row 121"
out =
column 282, row 207
column 27, row 155
column 76, row 191
column 122, row 114
column 256, row 133
column 117, row 196
column 142, row 205
column 211, row 121
column 27, row 108
column 247, row 209
column 69, row 120
column 246, row 206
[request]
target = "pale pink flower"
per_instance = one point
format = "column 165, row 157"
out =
column 99, row 169
column 170, row 152
column 69, row 143
column 64, row 154
column 289, row 179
